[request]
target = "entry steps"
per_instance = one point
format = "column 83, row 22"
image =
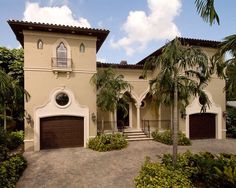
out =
column 135, row 135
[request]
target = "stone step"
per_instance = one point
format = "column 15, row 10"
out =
column 137, row 136
column 138, row 139
column 134, row 133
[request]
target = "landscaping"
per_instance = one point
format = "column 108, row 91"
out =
column 191, row 170
column 12, row 163
column 107, row 142
column 166, row 138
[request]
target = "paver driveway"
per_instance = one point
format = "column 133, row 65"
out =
column 84, row 168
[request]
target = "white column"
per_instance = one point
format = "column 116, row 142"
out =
column 138, row 114
column 115, row 119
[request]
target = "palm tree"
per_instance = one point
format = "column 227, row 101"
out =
column 110, row 88
column 183, row 72
column 206, row 9
column 10, row 93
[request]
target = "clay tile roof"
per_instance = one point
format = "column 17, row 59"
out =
column 185, row 41
column 19, row 26
column 119, row 66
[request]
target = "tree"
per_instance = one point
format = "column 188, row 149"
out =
column 109, row 89
column 12, row 84
column 206, row 9
column 183, row 72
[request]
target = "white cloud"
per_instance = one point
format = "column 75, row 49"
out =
column 54, row 15
column 141, row 28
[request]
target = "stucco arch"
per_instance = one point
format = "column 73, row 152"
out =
column 195, row 107
column 51, row 108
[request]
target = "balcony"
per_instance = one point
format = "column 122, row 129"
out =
column 61, row 65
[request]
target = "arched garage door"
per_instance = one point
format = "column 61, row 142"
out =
column 61, row 132
column 202, row 126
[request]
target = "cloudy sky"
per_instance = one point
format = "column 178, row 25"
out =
column 137, row 27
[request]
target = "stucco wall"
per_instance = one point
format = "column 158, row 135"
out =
column 40, row 80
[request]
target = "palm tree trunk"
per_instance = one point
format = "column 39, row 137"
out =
column 175, row 125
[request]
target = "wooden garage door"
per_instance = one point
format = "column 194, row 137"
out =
column 202, row 126
column 61, row 132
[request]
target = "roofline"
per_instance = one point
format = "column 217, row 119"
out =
column 119, row 66
column 184, row 41
column 19, row 26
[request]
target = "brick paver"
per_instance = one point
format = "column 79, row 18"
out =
column 84, row 168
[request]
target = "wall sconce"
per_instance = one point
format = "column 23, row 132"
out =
column 28, row 118
column 183, row 115
column 93, row 117
column 225, row 114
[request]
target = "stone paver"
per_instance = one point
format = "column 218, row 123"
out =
column 84, row 168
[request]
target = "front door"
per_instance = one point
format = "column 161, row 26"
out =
column 123, row 117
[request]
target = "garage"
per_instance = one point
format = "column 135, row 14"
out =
column 61, row 132
column 202, row 126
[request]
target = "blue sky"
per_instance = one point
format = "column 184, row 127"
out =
column 137, row 27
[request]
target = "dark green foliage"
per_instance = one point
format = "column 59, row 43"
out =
column 107, row 142
column 15, row 139
column 231, row 122
column 11, row 170
column 166, row 138
column 205, row 168
column 154, row 175
column 3, row 153
column 11, row 140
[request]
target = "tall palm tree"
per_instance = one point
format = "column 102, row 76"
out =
column 109, row 89
column 182, row 72
column 206, row 9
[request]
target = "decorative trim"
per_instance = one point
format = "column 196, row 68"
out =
column 195, row 108
column 44, row 69
column 50, row 109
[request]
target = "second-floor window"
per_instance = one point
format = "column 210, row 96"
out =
column 61, row 55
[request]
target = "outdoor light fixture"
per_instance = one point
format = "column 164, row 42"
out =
column 183, row 115
column 28, row 118
column 93, row 117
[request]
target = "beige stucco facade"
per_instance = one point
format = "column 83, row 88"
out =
column 44, row 80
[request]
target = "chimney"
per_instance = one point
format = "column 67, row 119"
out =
column 123, row 62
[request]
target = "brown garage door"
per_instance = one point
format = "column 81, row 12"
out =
column 61, row 132
column 202, row 126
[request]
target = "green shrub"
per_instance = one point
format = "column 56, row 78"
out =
column 154, row 175
column 166, row 138
column 3, row 153
column 107, row 142
column 11, row 170
column 15, row 139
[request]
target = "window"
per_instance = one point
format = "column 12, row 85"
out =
column 62, row 99
column 61, row 55
column 82, row 48
column 40, row 44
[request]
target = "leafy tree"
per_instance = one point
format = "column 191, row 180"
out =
column 12, row 84
column 183, row 72
column 109, row 89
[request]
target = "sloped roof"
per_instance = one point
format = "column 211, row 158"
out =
column 119, row 66
column 18, row 26
column 185, row 41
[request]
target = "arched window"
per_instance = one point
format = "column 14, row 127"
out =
column 61, row 55
column 40, row 44
column 82, row 48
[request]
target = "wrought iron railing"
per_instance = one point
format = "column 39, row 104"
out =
column 149, row 126
column 106, row 126
column 61, row 64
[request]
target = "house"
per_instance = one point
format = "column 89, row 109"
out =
column 59, row 62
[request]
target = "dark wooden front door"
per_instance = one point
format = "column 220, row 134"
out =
column 202, row 126
column 61, row 132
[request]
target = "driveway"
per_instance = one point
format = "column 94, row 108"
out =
column 84, row 168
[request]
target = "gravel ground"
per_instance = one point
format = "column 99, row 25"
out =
column 84, row 168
